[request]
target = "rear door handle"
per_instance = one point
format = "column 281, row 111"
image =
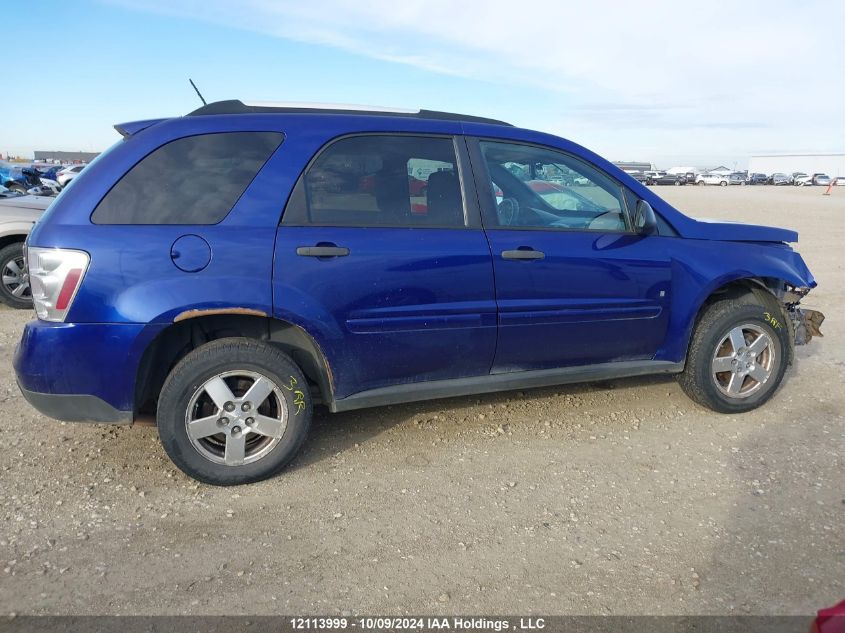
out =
column 523, row 253
column 322, row 251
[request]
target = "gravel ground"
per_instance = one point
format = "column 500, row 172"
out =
column 618, row 497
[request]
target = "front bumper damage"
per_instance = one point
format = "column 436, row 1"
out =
column 805, row 323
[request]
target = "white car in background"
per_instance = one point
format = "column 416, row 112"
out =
column 68, row 173
column 712, row 179
column 800, row 179
column 18, row 214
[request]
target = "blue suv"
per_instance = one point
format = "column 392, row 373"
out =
column 227, row 270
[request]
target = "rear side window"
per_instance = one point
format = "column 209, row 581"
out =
column 193, row 180
column 380, row 180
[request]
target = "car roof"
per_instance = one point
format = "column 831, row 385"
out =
column 235, row 106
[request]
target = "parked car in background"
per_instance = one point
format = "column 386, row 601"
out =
column 839, row 181
column 18, row 213
column 64, row 176
column 667, row 179
column 23, row 178
column 822, row 180
column 712, row 179
column 638, row 176
column 690, row 177
column 5, row 192
column 779, row 179
column 737, row 178
column 800, row 179
column 757, row 179
column 355, row 301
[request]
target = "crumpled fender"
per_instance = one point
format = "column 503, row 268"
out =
column 700, row 268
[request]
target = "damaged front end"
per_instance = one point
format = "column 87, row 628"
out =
column 805, row 323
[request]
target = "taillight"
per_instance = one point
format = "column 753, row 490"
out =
column 55, row 275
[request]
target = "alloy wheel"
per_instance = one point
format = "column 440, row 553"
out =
column 14, row 279
column 236, row 417
column 744, row 361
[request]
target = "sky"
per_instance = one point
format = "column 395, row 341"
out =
column 674, row 83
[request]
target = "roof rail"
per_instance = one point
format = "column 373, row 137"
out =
column 234, row 106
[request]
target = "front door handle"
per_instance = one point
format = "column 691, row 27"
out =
column 322, row 251
column 523, row 253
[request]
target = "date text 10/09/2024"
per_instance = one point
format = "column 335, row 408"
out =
column 417, row 623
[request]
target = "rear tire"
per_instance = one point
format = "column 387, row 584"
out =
column 738, row 355
column 723, row 184
column 14, row 291
column 215, row 431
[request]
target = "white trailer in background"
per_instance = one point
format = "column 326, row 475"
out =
column 831, row 164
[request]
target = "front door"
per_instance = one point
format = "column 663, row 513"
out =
column 378, row 258
column 574, row 284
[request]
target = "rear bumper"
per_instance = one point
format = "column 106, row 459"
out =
column 76, row 408
column 82, row 371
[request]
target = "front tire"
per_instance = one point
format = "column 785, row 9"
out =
column 14, row 289
column 234, row 411
column 738, row 356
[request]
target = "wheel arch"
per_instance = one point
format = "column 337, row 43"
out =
column 198, row 328
column 765, row 289
column 14, row 238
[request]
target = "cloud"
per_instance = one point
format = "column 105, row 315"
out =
column 754, row 68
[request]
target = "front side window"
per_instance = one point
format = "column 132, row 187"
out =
column 534, row 187
column 192, row 180
column 380, row 180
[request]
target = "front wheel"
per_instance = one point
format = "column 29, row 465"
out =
column 234, row 411
column 723, row 184
column 701, row 183
column 738, row 355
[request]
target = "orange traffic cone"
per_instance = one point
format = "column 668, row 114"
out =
column 829, row 187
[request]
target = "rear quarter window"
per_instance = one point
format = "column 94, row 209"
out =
column 192, row 180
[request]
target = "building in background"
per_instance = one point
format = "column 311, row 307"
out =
column 831, row 164
column 683, row 169
column 65, row 157
column 630, row 167
column 721, row 170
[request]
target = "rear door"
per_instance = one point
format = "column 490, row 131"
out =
column 574, row 284
column 381, row 257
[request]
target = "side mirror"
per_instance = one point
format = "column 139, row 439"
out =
column 645, row 221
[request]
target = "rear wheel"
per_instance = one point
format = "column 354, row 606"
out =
column 723, row 184
column 738, row 355
column 14, row 289
column 234, row 411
